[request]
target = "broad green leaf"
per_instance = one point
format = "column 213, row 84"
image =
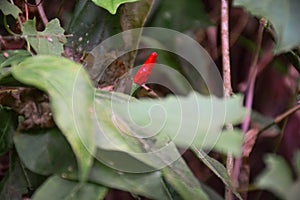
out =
column 117, row 135
column 11, row 57
column 8, row 125
column 277, row 177
column 149, row 185
column 59, row 188
column 111, row 5
column 9, row 9
column 180, row 15
column 192, row 120
column 71, row 98
column 45, row 151
column 284, row 16
column 110, row 139
column 48, row 42
column 142, row 184
column 216, row 167
column 90, row 25
column 183, row 181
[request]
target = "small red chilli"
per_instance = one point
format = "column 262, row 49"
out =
column 144, row 72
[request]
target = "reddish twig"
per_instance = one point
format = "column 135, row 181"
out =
column 42, row 12
column 249, row 98
column 26, row 11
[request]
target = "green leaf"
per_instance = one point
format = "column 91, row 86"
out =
column 296, row 162
column 294, row 191
column 149, row 185
column 111, row 5
column 117, row 135
column 183, row 181
column 90, row 25
column 216, row 167
column 8, row 125
column 11, row 57
column 9, row 9
column 277, row 177
column 58, row 188
column 8, row 58
column 284, row 16
column 180, row 15
column 114, row 146
column 194, row 119
column 71, row 98
column 45, row 152
column 48, row 42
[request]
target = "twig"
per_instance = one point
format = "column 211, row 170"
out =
column 150, row 91
column 225, row 48
column 26, row 11
column 41, row 12
column 226, row 78
column 281, row 117
column 17, row 36
column 249, row 97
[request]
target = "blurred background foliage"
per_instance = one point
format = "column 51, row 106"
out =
column 271, row 170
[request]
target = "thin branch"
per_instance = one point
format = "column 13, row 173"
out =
column 226, row 78
column 249, row 97
column 42, row 12
column 281, row 117
column 26, row 11
column 225, row 47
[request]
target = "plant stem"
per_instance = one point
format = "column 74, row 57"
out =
column 249, row 100
column 41, row 12
column 226, row 78
column 225, row 48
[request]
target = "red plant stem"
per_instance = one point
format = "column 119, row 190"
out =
column 249, row 98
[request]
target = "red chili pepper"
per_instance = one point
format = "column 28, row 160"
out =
column 144, row 72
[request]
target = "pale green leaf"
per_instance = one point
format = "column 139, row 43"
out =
column 71, row 98
column 111, row 5
column 11, row 57
column 194, row 119
column 9, row 9
column 277, row 177
column 294, row 191
column 48, row 42
column 58, row 188
column 284, row 16
column 115, row 134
